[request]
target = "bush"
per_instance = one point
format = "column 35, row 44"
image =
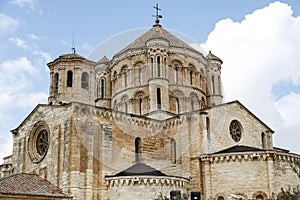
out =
column 289, row 194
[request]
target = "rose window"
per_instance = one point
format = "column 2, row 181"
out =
column 42, row 143
column 235, row 129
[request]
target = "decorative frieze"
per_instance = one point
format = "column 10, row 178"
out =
column 249, row 156
column 147, row 181
column 136, row 120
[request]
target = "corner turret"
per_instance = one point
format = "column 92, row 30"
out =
column 214, row 83
column 103, row 79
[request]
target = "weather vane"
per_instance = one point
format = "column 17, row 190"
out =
column 157, row 16
column 73, row 45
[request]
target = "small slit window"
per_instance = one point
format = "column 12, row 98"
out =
column 173, row 150
column 140, row 76
column 126, row 107
column 177, row 106
column 263, row 140
column 102, row 88
column 69, row 78
column 176, row 75
column 158, row 66
column 56, row 77
column 85, row 80
column 138, row 149
column 125, row 79
column 152, row 61
column 158, row 96
column 208, row 128
column 140, row 105
column 213, row 85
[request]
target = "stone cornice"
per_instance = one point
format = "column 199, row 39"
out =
column 249, row 156
column 136, row 120
column 126, row 54
column 176, row 50
column 146, row 181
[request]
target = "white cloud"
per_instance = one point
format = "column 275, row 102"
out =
column 87, row 47
column 44, row 57
column 33, row 36
column 16, row 85
column 7, row 24
column 6, row 145
column 258, row 52
column 17, row 67
column 18, row 42
column 289, row 108
column 24, row 3
column 17, row 96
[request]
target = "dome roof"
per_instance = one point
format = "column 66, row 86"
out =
column 156, row 32
column 71, row 55
column 103, row 60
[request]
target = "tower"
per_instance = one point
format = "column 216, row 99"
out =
column 72, row 78
column 158, row 79
column 214, row 83
column 103, row 83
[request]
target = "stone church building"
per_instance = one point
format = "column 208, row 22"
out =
column 150, row 121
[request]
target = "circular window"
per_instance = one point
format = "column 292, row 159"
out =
column 42, row 142
column 235, row 129
column 38, row 143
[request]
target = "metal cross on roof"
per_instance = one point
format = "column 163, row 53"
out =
column 157, row 15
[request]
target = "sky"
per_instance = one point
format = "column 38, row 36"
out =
column 258, row 41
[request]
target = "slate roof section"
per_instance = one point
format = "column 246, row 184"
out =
column 139, row 169
column 156, row 32
column 239, row 148
column 29, row 184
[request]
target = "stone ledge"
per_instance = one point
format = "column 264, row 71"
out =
column 146, row 181
column 249, row 156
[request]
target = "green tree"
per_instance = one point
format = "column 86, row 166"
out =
column 289, row 194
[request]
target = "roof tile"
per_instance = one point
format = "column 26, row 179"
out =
column 29, row 184
column 156, row 32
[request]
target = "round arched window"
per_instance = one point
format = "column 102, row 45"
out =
column 235, row 129
column 259, row 197
column 38, row 143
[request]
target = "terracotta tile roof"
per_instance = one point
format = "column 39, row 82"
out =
column 139, row 169
column 29, row 184
column 156, row 32
column 71, row 55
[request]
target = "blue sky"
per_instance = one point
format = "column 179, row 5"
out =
column 258, row 41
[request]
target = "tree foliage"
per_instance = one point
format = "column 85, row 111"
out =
column 289, row 194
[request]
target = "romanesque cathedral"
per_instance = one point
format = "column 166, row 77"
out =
column 148, row 122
